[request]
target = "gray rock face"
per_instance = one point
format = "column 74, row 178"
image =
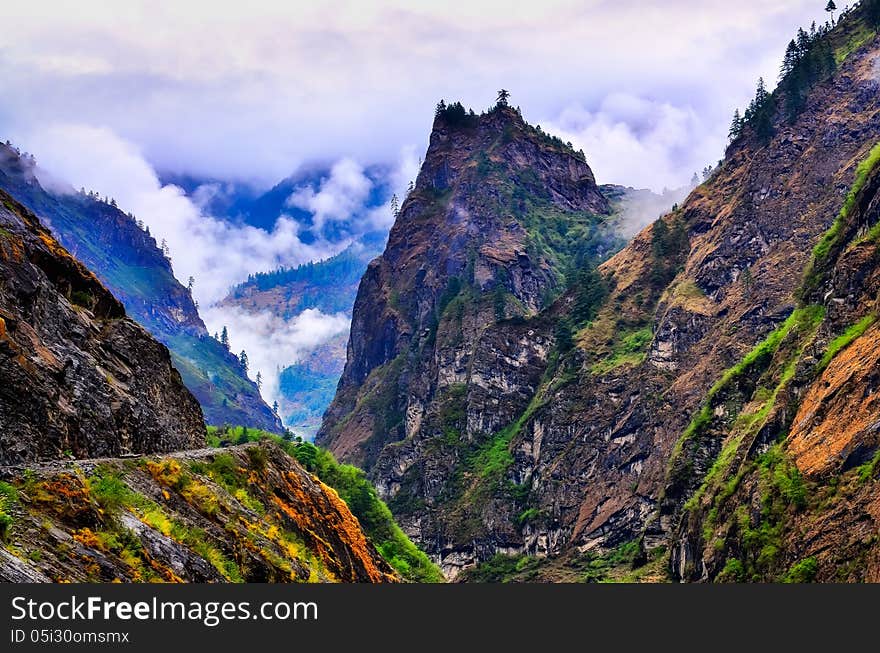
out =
column 77, row 377
column 130, row 264
column 445, row 349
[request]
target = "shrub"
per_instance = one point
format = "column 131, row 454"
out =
column 372, row 513
column 802, row 572
column 258, row 458
column 733, row 571
column 108, row 489
column 8, row 496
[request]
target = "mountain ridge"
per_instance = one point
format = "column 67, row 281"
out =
column 128, row 259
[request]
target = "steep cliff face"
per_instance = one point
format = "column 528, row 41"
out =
column 245, row 514
column 129, row 262
column 78, row 377
column 793, row 491
column 622, row 414
column 445, row 349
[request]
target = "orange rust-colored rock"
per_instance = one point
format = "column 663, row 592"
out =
column 840, row 414
column 177, row 519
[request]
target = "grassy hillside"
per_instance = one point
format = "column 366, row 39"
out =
column 357, row 492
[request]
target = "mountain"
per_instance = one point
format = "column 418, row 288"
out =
column 83, row 389
column 503, row 218
column 78, row 377
column 329, row 285
column 245, row 514
column 702, row 408
column 240, row 203
column 127, row 259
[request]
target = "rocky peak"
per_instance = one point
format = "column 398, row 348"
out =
column 660, row 422
column 460, row 140
column 496, row 226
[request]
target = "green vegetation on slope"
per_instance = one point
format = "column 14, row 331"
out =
column 626, row 563
column 844, row 340
column 133, row 266
column 801, row 321
column 8, row 497
column 833, row 240
column 753, row 543
column 358, row 493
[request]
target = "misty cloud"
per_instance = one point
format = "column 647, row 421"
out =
column 639, row 208
column 306, row 81
column 640, row 141
column 218, row 254
column 273, row 343
column 342, row 194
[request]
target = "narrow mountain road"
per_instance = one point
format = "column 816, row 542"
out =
column 61, row 464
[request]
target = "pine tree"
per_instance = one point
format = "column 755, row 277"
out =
column 760, row 112
column 275, row 409
column 564, row 336
column 503, row 97
column 224, row 338
column 589, row 295
column 395, row 206
column 190, row 283
column 499, row 301
column 736, row 126
column 792, row 55
column 831, row 8
column 259, row 380
column 243, row 360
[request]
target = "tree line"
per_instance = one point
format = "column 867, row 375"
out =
column 809, row 60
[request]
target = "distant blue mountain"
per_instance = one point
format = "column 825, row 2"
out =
column 241, row 204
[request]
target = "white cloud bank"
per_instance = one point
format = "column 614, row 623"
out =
column 642, row 143
column 251, row 90
column 215, row 252
column 273, row 343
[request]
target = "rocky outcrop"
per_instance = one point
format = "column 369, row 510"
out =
column 793, row 491
column 77, row 377
column 128, row 261
column 244, row 514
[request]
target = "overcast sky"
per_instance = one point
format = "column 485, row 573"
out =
column 251, row 90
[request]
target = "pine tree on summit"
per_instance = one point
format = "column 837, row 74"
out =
column 503, row 97
column 831, row 8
